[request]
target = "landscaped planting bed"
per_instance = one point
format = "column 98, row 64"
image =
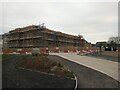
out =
column 43, row 64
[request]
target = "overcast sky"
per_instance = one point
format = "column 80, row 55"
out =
column 95, row 21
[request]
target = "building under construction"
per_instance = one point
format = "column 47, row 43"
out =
column 38, row 36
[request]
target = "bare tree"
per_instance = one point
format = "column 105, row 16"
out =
column 114, row 40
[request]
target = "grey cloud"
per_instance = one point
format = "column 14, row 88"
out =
column 95, row 21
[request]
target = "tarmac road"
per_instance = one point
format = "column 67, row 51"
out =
column 107, row 67
column 87, row 77
column 17, row 78
column 0, row 74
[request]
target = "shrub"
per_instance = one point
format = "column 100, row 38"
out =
column 42, row 63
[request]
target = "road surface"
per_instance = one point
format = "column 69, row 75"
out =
column 87, row 77
column 19, row 78
column 107, row 67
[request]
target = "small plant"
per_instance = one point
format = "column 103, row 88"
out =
column 59, row 64
column 43, row 64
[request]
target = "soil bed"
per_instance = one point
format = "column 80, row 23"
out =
column 43, row 64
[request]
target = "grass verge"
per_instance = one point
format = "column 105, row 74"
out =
column 5, row 56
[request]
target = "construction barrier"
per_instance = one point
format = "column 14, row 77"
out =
column 66, row 51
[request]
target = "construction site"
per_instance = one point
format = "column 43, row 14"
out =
column 25, row 54
column 38, row 36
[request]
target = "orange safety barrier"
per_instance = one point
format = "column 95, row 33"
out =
column 65, row 51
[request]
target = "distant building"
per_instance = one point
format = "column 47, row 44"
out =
column 1, row 41
column 38, row 36
column 5, row 38
column 107, row 46
column 98, row 44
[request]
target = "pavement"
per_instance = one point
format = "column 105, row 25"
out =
column 87, row 77
column 107, row 67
